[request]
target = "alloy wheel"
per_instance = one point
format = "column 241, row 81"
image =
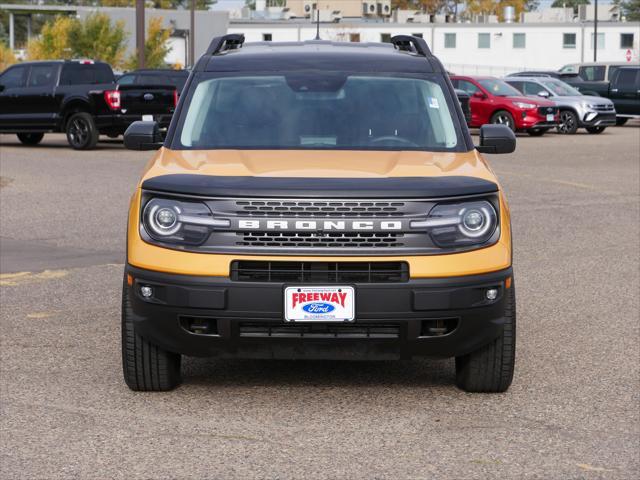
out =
column 78, row 132
column 567, row 122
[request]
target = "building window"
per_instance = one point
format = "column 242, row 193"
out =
column 484, row 40
column 385, row 37
column 418, row 35
column 267, row 37
column 449, row 40
column 568, row 40
column 519, row 40
column 354, row 37
column 600, row 41
column 626, row 40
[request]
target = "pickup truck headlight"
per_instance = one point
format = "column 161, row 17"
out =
column 176, row 221
column 460, row 224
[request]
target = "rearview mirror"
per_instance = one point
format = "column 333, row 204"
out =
column 143, row 136
column 543, row 94
column 496, row 139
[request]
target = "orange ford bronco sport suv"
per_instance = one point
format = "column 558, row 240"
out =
column 318, row 200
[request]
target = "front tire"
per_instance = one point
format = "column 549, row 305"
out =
column 490, row 368
column 146, row 367
column 568, row 122
column 503, row 117
column 595, row 130
column 30, row 138
column 81, row 130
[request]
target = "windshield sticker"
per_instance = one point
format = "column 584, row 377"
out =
column 433, row 102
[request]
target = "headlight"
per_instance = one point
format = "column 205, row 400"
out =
column 177, row 221
column 460, row 224
column 524, row 106
column 588, row 106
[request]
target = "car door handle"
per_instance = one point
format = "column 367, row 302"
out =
column 614, row 89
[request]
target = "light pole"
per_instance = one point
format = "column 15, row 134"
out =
column 595, row 33
column 192, row 34
column 140, row 32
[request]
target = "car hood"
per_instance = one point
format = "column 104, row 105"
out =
column 318, row 164
column 591, row 99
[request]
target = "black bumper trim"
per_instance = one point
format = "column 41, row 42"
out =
column 227, row 305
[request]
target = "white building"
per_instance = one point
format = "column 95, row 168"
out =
column 491, row 48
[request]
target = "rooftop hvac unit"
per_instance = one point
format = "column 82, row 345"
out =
column 384, row 8
column 308, row 8
column 369, row 8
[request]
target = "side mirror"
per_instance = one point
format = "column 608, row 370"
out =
column 543, row 94
column 143, row 136
column 479, row 95
column 496, row 139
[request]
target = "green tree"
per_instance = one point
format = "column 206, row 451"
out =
column 570, row 4
column 631, row 10
column 67, row 37
column 155, row 46
column 167, row 4
column 491, row 7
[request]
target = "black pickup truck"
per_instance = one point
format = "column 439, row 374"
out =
column 79, row 98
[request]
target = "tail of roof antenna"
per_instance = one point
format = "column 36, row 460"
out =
column 232, row 41
column 409, row 43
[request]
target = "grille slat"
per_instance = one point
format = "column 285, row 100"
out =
column 288, row 208
column 319, row 330
column 319, row 240
column 319, row 272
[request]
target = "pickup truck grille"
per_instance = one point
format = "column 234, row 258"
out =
column 319, row 272
column 320, row 240
column 300, row 208
column 356, row 330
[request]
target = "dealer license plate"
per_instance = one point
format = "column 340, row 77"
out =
column 319, row 304
column 550, row 117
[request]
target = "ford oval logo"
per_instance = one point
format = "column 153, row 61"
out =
column 148, row 96
column 319, row 307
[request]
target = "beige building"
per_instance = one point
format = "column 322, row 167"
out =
column 347, row 8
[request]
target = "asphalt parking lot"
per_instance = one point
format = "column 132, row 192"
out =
column 573, row 411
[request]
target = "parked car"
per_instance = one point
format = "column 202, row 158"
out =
column 79, row 98
column 495, row 101
column 576, row 110
column 158, row 76
column 464, row 98
column 338, row 213
column 598, row 71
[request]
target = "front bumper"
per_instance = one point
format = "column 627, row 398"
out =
column 215, row 316
column 597, row 119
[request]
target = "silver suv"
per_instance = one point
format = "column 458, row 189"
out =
column 576, row 110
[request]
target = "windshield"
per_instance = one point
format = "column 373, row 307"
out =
column 560, row 88
column 499, row 88
column 327, row 110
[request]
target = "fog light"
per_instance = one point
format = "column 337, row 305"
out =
column 491, row 294
column 146, row 291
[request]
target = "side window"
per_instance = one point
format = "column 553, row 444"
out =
column 42, row 76
column 612, row 70
column 468, row 87
column 126, row 80
column 517, row 85
column 592, row 73
column 626, row 79
column 86, row 74
column 531, row 88
column 15, row 77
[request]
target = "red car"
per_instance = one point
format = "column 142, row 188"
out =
column 495, row 101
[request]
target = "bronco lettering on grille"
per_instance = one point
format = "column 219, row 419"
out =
column 315, row 225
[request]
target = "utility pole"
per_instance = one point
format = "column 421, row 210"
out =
column 140, row 32
column 192, row 34
column 595, row 33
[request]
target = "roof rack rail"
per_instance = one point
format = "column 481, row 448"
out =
column 409, row 43
column 232, row 41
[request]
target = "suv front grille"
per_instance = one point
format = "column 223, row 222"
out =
column 319, row 272
column 310, row 209
column 547, row 110
column 319, row 240
column 603, row 107
column 321, row 330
